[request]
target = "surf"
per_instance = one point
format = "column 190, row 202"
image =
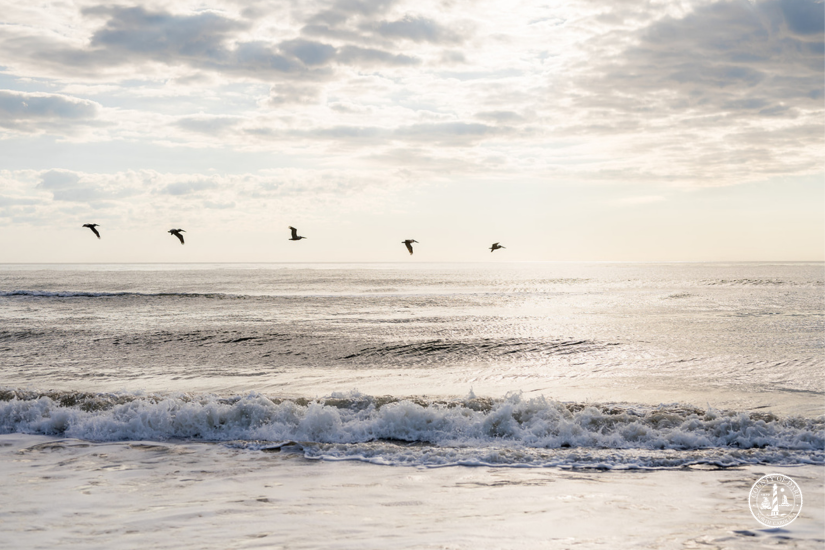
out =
column 415, row 430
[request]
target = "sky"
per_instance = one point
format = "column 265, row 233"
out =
column 566, row 130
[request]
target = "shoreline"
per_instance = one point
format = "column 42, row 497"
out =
column 139, row 494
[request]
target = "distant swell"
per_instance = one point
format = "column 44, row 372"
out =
column 413, row 431
column 83, row 294
column 761, row 282
column 480, row 347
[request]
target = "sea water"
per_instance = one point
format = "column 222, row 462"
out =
column 552, row 366
column 615, row 365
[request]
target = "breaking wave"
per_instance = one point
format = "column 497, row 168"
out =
column 512, row 431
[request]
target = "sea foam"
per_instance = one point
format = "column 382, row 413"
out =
column 416, row 431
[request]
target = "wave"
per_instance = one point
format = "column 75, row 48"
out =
column 479, row 347
column 512, row 431
column 85, row 294
column 762, row 282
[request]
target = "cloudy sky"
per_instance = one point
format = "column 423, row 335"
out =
column 567, row 130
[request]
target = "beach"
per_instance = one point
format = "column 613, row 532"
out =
column 374, row 406
column 140, row 494
column 379, row 274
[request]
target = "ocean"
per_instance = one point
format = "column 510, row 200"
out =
column 621, row 374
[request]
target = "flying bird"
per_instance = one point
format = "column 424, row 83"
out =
column 177, row 233
column 92, row 227
column 408, row 244
column 295, row 236
column 495, row 247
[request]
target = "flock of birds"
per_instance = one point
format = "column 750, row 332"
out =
column 294, row 237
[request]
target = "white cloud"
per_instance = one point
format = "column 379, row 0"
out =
column 139, row 196
column 208, row 124
column 692, row 94
column 32, row 112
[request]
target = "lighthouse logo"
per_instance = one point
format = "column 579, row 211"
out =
column 775, row 500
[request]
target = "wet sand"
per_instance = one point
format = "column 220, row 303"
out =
column 76, row 494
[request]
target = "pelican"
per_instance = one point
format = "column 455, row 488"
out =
column 177, row 233
column 408, row 244
column 295, row 236
column 495, row 247
column 92, row 227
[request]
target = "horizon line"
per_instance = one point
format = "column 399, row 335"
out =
column 415, row 262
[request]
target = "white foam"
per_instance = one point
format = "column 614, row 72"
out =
column 510, row 431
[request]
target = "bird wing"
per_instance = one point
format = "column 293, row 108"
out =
column 178, row 235
column 409, row 246
column 94, row 231
column 294, row 232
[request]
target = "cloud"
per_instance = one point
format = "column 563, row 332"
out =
column 30, row 112
column 310, row 53
column 349, row 108
column 342, row 10
column 218, row 205
column 208, row 124
column 283, row 94
column 803, row 16
column 214, row 42
column 259, row 59
column 347, row 133
column 703, row 93
column 417, row 29
column 162, row 36
column 188, row 187
column 58, row 179
column 718, row 94
column 355, row 55
column 452, row 57
column 447, row 132
column 16, row 201
column 364, row 23
column 454, row 133
column 68, row 186
column 147, row 197
column 205, row 41
column 720, row 57
column 501, row 117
